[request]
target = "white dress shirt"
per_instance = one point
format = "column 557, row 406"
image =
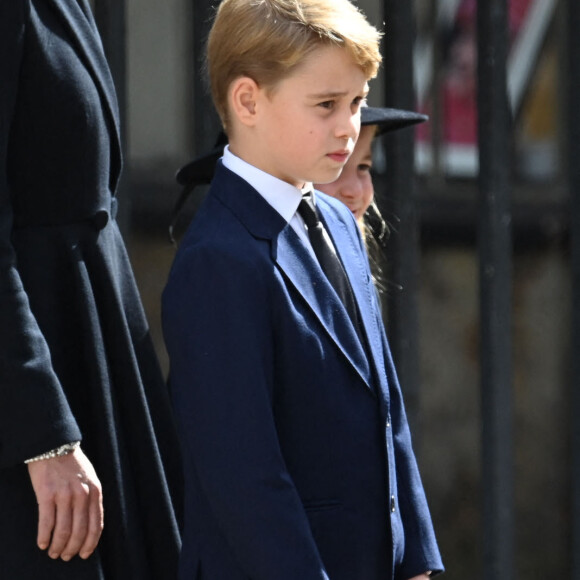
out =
column 282, row 196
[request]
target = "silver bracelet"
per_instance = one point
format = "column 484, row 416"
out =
column 58, row 452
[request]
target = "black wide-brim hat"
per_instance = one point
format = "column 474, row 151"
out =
column 388, row 120
column 200, row 171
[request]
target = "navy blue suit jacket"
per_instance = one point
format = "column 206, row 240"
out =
column 298, row 457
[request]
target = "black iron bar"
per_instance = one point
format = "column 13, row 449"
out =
column 205, row 118
column 572, row 139
column 495, row 255
column 400, row 203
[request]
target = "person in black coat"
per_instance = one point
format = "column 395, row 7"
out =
column 76, row 360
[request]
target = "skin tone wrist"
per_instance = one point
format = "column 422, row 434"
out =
column 70, row 507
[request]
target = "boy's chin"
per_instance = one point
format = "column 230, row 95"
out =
column 328, row 178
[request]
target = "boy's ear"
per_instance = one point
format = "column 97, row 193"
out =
column 244, row 94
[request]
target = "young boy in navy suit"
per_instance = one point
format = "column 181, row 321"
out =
column 298, row 458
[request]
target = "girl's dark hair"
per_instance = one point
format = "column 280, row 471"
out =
column 376, row 233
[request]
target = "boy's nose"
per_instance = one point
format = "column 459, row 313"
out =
column 349, row 127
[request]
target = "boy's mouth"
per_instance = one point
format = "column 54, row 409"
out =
column 340, row 156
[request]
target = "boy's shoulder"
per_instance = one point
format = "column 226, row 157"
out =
column 332, row 203
column 231, row 223
column 337, row 209
column 230, row 197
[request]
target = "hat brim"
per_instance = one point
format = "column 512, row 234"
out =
column 387, row 119
column 200, row 171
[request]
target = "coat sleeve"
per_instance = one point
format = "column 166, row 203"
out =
column 34, row 414
column 218, row 332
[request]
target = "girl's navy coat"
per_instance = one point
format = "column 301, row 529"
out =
column 298, row 455
column 75, row 356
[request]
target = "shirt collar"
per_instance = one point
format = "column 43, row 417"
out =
column 282, row 196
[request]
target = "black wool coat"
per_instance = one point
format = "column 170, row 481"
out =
column 76, row 359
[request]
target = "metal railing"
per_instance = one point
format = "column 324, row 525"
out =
column 572, row 139
column 495, row 267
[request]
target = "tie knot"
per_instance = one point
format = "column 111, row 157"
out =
column 307, row 211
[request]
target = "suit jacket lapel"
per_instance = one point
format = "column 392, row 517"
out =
column 355, row 263
column 307, row 277
column 84, row 36
column 295, row 262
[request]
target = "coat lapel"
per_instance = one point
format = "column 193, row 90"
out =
column 356, row 265
column 305, row 274
column 77, row 17
column 294, row 261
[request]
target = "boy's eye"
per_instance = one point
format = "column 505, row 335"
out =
column 365, row 167
column 359, row 101
column 326, row 104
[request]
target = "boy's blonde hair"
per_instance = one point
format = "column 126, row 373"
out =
column 267, row 39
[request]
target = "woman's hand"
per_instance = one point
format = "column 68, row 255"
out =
column 70, row 505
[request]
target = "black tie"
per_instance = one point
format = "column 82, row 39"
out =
column 327, row 258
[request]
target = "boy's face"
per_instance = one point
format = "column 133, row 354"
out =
column 354, row 187
column 307, row 126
